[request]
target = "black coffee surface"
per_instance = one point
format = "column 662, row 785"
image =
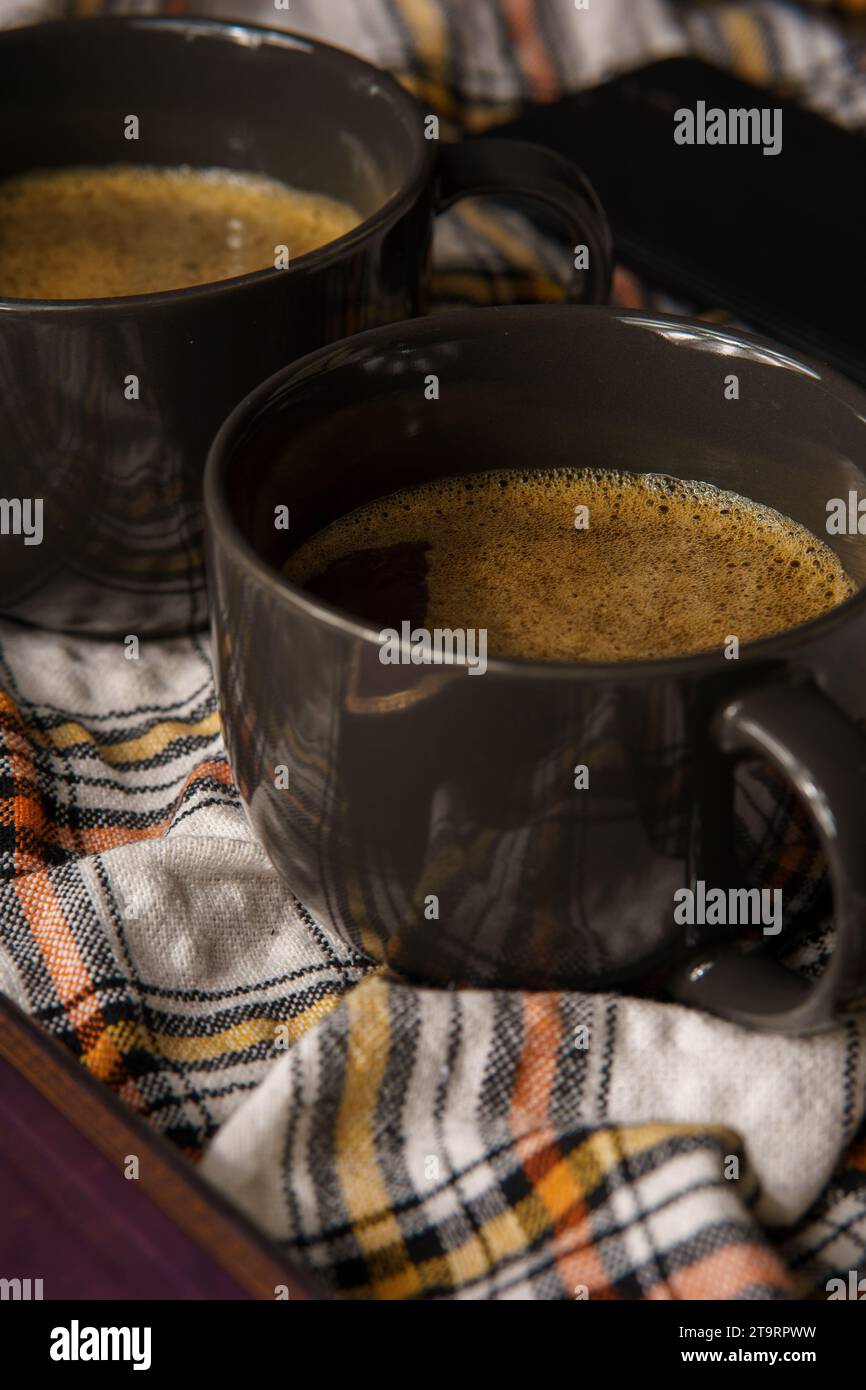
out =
column 656, row 566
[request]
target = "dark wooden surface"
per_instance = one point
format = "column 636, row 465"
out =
column 69, row 1216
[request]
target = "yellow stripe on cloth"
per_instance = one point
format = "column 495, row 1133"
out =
column 558, row 1204
column 146, row 746
column 602, row 1152
column 429, row 33
column 565, row 1187
column 748, row 49
column 426, row 22
column 118, row 1038
column 365, row 1193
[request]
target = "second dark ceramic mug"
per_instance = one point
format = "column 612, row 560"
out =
column 377, row 789
column 120, row 479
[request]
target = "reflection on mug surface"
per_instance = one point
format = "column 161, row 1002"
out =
column 108, row 404
column 539, row 825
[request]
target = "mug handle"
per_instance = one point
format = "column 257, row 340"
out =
column 823, row 753
column 477, row 167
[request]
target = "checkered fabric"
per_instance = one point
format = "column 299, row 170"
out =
column 409, row 1142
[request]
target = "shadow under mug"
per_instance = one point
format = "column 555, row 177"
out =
column 120, row 479
column 380, row 791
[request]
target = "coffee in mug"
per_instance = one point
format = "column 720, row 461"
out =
column 123, row 229
column 575, row 564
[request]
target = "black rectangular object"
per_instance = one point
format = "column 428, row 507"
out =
column 779, row 240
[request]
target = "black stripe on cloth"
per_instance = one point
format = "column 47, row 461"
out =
column 28, row 961
column 227, row 800
column 63, row 776
column 182, row 746
column 596, row 1197
column 296, row 1111
column 320, row 1155
column 125, row 732
column 168, row 711
column 849, row 1077
column 610, row 1017
column 199, row 1028
column 404, row 1023
column 199, row 996
column 633, row 1280
column 839, row 1228
column 440, row 1109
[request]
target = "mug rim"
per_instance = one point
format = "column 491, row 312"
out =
column 250, row 36
column 224, row 529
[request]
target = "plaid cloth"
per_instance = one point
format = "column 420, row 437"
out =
column 411, row 1142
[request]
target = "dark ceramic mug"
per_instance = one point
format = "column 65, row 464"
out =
column 120, row 480
column 412, row 782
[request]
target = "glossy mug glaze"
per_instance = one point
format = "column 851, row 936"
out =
column 410, row 784
column 119, row 475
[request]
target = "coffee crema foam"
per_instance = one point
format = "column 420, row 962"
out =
column 665, row 568
column 120, row 229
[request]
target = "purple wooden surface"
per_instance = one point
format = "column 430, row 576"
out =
column 70, row 1218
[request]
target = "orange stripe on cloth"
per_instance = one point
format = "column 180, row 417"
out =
column 727, row 1273
column 24, row 813
column 33, row 828
column 53, row 935
column 216, row 768
column 532, row 55
column 559, row 1203
column 562, row 1183
column 98, row 838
